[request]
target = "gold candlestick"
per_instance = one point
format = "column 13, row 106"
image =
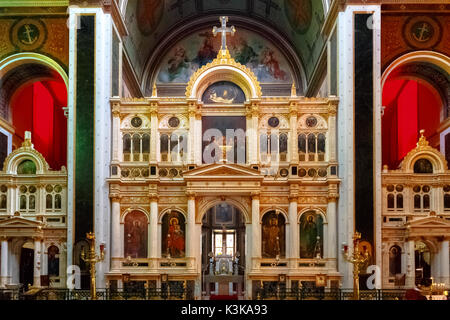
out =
column 92, row 259
column 358, row 259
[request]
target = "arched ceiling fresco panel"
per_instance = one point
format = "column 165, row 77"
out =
column 299, row 22
column 246, row 47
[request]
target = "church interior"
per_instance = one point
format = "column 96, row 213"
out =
column 224, row 149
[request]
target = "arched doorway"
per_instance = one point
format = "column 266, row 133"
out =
column 26, row 271
column 223, row 252
column 422, row 257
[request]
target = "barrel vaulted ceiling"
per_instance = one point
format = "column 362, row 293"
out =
column 294, row 26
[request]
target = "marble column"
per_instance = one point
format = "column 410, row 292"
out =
column 331, row 237
column 445, row 262
column 256, row 227
column 190, row 240
column 294, row 229
column 115, row 227
column 44, row 259
column 37, row 263
column 153, row 234
column 411, row 267
column 4, row 263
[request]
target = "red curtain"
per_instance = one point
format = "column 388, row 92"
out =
column 37, row 107
column 410, row 106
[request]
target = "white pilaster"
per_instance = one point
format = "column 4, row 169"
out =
column 346, row 134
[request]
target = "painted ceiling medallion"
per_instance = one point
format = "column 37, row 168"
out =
column 422, row 32
column 299, row 14
column 28, row 34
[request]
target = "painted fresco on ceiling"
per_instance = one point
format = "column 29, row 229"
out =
column 148, row 21
column 299, row 14
column 148, row 15
column 246, row 47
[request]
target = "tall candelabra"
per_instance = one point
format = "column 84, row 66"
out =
column 92, row 259
column 358, row 259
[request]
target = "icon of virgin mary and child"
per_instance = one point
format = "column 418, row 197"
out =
column 175, row 239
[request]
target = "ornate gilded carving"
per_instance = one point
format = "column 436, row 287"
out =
column 311, row 200
column 223, row 59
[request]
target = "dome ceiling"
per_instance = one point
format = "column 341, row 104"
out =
column 156, row 25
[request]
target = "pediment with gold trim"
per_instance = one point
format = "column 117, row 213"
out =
column 221, row 171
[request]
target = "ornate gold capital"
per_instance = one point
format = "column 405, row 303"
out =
column 332, row 109
column 115, row 109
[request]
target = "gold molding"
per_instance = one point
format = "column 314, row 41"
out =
column 223, row 59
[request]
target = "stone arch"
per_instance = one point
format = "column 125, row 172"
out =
column 438, row 59
column 15, row 158
column 21, row 68
column 208, row 205
column 315, row 209
column 165, row 211
column 228, row 71
column 275, row 208
column 131, row 209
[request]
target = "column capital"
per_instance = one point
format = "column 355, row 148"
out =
column 4, row 238
column 293, row 197
column 332, row 108
column 332, row 197
column 190, row 195
column 115, row 197
column 255, row 195
column 293, row 109
column 252, row 110
column 115, row 109
column 153, row 109
column 154, row 197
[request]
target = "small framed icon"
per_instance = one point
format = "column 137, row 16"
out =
column 321, row 280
